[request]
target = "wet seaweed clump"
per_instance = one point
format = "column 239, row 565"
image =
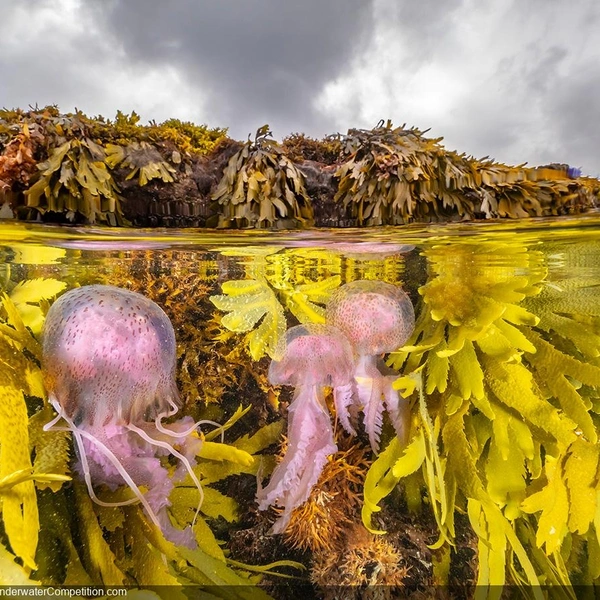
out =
column 300, row 147
column 74, row 168
column 261, row 187
column 394, row 175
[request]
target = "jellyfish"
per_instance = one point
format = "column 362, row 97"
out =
column 377, row 318
column 109, row 360
column 315, row 357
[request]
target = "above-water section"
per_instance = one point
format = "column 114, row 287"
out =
column 463, row 454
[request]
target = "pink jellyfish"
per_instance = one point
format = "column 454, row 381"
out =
column 315, row 357
column 377, row 318
column 109, row 368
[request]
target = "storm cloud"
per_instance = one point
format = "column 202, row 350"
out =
column 255, row 61
column 516, row 80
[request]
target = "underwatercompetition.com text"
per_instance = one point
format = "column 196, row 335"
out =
column 35, row 591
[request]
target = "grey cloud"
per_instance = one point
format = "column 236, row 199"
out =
column 542, row 71
column 255, row 60
column 249, row 62
column 48, row 70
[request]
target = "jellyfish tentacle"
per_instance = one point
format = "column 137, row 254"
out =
column 182, row 434
column 88, row 477
column 51, row 426
column 79, row 433
column 121, row 470
column 86, row 467
column 176, row 453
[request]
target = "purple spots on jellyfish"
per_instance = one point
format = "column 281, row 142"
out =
column 88, row 340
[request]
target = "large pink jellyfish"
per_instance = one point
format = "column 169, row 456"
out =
column 315, row 357
column 109, row 368
column 377, row 318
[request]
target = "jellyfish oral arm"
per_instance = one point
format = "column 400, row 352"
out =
column 372, row 389
column 343, row 399
column 369, row 393
column 397, row 408
column 181, row 457
column 310, row 443
column 369, row 396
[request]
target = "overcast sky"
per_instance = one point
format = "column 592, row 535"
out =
column 518, row 80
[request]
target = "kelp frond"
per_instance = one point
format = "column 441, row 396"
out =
column 20, row 377
column 75, row 180
column 142, row 159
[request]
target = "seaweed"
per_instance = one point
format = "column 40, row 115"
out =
column 143, row 160
column 299, row 147
column 394, row 175
column 502, row 426
column 64, row 163
column 261, row 187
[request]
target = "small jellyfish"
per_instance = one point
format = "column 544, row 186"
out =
column 315, row 357
column 377, row 318
column 109, row 368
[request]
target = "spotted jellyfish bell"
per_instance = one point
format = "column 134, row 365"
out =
column 377, row 318
column 109, row 368
column 314, row 357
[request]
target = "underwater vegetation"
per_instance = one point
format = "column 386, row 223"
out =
column 502, row 377
column 211, row 362
column 492, row 478
column 74, row 168
column 276, row 281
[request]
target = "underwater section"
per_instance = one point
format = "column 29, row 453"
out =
column 322, row 414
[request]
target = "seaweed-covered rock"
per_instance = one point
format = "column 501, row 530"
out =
column 70, row 168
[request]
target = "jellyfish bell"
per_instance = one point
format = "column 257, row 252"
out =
column 312, row 354
column 377, row 318
column 108, row 358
